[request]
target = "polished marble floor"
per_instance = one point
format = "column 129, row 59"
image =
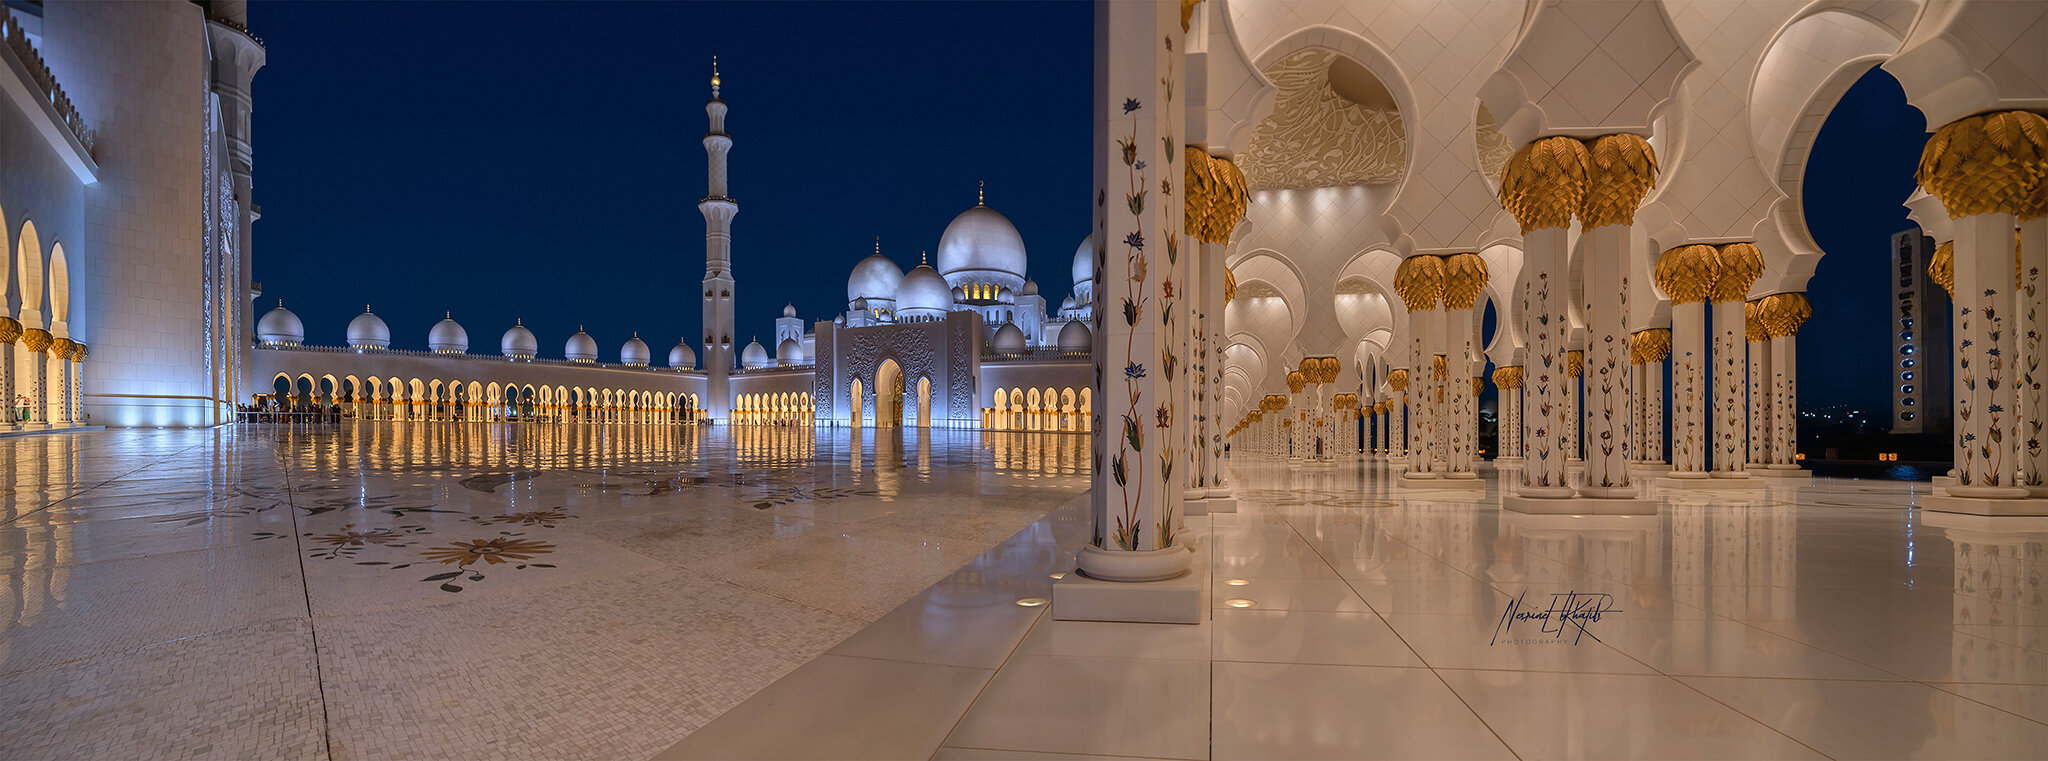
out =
column 1347, row 619
column 380, row 591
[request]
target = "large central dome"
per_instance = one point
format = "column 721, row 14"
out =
column 981, row 246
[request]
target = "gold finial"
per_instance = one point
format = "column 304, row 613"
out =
column 921, row 261
column 518, row 323
column 714, row 76
column 366, row 309
column 878, row 245
column 448, row 314
column 981, row 193
column 280, row 303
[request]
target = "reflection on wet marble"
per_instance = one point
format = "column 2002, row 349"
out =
column 1808, row 619
column 385, row 590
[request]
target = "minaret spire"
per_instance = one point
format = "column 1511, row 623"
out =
column 718, row 208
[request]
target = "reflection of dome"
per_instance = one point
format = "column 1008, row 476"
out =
column 755, row 355
column 634, row 353
column 1075, row 338
column 682, row 357
column 789, row 310
column 923, row 292
column 1009, row 339
column 789, row 353
column 981, row 246
column 581, row 347
column 280, row 326
column 519, row 342
column 368, row 331
column 448, row 337
column 1084, row 262
column 873, row 278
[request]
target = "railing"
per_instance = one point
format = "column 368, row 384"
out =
column 1035, row 355
column 39, row 72
column 235, row 25
column 464, row 356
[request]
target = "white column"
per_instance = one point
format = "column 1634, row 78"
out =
column 1653, row 409
column 1458, row 429
column 38, row 343
column 1730, row 391
column 1574, row 379
column 2032, row 383
column 1544, row 383
column 1138, row 130
column 1608, row 403
column 1398, row 433
column 10, row 331
column 1760, row 404
column 1784, row 403
column 1986, row 414
column 1688, row 390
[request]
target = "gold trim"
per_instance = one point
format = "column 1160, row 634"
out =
column 1545, row 183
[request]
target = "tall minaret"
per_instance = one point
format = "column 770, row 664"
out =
column 718, row 211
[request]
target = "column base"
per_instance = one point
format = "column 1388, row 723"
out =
column 1649, row 466
column 35, row 426
column 1985, row 506
column 1943, row 482
column 1577, row 506
column 1435, row 482
column 1173, row 599
column 1501, row 462
column 1676, row 481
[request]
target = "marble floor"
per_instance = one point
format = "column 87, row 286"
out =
column 1347, row 619
column 391, row 590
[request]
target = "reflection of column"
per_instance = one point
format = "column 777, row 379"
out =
column 38, row 342
column 1760, row 407
column 1464, row 280
column 1544, row 186
column 1687, row 275
column 1419, row 280
column 1740, row 264
column 1138, row 126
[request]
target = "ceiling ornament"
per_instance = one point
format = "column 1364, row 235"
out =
column 1781, row 314
column 1687, row 273
column 1987, row 163
column 1419, row 280
column 1316, row 138
column 1741, row 263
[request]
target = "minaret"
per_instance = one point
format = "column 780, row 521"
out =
column 718, row 209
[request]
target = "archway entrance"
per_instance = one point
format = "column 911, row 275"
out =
column 924, row 402
column 889, row 395
column 854, row 416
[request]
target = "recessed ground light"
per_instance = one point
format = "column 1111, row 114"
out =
column 1237, row 582
column 1060, row 575
column 1031, row 602
column 1239, row 602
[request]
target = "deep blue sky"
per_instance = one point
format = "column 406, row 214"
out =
column 1859, row 173
column 543, row 161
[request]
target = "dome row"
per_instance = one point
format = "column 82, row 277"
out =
column 280, row 327
column 980, row 246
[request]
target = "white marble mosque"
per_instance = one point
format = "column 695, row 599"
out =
column 1234, row 496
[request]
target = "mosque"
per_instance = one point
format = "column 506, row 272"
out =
column 966, row 344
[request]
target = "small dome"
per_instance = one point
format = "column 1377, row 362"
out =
column 923, row 291
column 634, row 352
column 1030, row 287
column 1069, row 305
column 581, row 347
column 368, row 331
column 1075, row 338
column 873, row 278
column 1009, row 339
column 682, row 357
column 981, row 246
column 789, row 353
column 755, row 355
column 789, row 310
column 448, row 337
column 280, row 327
column 1084, row 262
column 519, row 342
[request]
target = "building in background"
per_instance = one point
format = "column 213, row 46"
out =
column 1921, row 392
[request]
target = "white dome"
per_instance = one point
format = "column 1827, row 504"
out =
column 581, row 347
column 873, row 278
column 280, row 326
column 755, row 355
column 923, row 291
column 368, row 331
column 1075, row 338
column 519, row 342
column 981, row 246
column 1068, row 305
column 682, row 357
column 789, row 353
column 1084, row 262
column 1009, row 339
column 448, row 337
column 789, row 310
column 634, row 352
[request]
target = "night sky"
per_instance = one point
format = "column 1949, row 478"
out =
column 543, row 161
